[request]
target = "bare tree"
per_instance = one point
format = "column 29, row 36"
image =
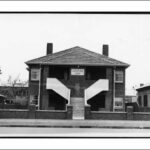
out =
column 13, row 87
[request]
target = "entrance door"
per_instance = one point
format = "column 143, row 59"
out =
column 77, row 77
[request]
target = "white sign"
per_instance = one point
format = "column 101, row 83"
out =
column 77, row 72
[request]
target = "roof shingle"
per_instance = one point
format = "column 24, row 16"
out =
column 77, row 56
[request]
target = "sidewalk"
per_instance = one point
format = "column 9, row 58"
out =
column 122, row 124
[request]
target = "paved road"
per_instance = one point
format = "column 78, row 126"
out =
column 72, row 132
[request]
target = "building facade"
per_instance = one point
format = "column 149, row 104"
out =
column 143, row 97
column 77, row 77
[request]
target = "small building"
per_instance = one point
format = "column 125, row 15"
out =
column 143, row 97
column 77, row 77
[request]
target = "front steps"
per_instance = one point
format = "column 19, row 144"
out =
column 78, row 107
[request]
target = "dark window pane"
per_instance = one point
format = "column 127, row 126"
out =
column 140, row 100
column 145, row 100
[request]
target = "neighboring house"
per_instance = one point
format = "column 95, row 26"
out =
column 143, row 94
column 77, row 77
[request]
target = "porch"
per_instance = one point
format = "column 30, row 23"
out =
column 60, row 96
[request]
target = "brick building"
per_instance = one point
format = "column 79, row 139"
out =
column 77, row 77
column 143, row 97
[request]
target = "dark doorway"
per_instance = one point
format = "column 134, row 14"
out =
column 97, row 102
column 56, row 102
column 95, row 73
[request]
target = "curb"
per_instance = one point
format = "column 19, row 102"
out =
column 107, row 124
column 53, row 126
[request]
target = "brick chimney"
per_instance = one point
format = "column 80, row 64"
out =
column 106, row 50
column 141, row 84
column 49, row 48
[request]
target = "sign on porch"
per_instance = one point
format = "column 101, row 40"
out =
column 78, row 72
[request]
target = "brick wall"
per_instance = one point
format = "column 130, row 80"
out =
column 5, row 113
column 44, row 99
column 32, row 113
column 129, row 115
column 101, row 115
column 109, row 94
column 45, row 114
column 141, row 116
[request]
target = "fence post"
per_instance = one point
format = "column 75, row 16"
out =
column 69, row 112
column 32, row 111
column 129, row 112
column 87, row 112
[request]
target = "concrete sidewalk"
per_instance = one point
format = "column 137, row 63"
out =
column 75, row 123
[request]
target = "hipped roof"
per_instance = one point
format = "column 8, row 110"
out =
column 77, row 56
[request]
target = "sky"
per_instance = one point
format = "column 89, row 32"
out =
column 24, row 37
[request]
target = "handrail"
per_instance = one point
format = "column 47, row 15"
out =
column 97, row 87
column 58, row 87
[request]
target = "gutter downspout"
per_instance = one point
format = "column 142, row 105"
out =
column 39, row 94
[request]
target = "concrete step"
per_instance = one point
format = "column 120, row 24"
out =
column 78, row 107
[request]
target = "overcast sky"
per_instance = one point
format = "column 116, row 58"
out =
column 24, row 37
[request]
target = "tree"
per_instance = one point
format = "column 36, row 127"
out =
column 15, row 90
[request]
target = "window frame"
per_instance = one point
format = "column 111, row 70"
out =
column 118, row 99
column 37, row 71
column 119, row 72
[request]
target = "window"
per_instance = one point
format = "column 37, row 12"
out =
column 119, row 76
column 35, row 74
column 34, row 99
column 118, row 103
column 145, row 101
column 140, row 100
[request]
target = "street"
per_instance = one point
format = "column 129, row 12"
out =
column 71, row 132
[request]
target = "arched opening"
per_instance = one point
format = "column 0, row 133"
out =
column 97, row 102
column 56, row 102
